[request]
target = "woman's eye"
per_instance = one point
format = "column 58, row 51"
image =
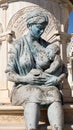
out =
column 38, row 27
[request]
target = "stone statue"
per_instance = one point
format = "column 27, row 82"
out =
column 28, row 67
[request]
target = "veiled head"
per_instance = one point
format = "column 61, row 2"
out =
column 37, row 17
column 36, row 22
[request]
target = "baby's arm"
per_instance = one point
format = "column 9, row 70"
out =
column 54, row 65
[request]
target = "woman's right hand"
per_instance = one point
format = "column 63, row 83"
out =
column 35, row 79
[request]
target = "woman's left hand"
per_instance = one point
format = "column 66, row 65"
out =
column 49, row 79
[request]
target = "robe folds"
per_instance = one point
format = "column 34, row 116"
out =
column 21, row 61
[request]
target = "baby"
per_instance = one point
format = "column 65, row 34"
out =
column 55, row 66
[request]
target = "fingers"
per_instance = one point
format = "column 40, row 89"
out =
column 40, row 78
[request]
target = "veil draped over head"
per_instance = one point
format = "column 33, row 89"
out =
column 37, row 16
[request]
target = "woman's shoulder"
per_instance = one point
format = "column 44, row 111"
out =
column 16, row 46
column 18, row 42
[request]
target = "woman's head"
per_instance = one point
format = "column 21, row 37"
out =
column 37, row 20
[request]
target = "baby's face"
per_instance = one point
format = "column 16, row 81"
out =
column 51, row 55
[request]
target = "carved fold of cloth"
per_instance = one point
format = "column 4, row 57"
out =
column 42, row 95
column 21, row 61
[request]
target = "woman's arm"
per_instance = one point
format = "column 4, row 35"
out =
column 14, row 77
column 12, row 69
column 26, row 79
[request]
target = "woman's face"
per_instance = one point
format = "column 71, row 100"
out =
column 37, row 30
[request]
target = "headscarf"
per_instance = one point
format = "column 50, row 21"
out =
column 37, row 16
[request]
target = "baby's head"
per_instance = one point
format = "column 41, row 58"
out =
column 52, row 50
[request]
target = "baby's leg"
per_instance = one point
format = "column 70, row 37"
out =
column 61, row 77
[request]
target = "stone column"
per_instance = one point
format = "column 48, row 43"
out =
column 4, row 99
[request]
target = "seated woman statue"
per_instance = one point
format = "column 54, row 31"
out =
column 32, row 90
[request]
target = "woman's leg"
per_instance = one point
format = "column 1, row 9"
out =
column 56, row 116
column 32, row 114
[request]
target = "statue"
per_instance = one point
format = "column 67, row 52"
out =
column 29, row 66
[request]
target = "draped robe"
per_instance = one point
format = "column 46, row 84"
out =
column 21, row 61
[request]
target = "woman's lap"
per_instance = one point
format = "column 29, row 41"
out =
column 39, row 94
